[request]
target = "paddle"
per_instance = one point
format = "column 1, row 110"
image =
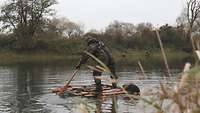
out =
column 61, row 90
column 71, row 78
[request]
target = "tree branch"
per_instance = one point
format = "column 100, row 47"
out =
column 11, row 22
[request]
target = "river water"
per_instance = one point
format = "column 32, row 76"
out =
column 26, row 89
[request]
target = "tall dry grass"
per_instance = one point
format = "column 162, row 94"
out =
column 184, row 97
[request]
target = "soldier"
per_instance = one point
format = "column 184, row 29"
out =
column 99, row 50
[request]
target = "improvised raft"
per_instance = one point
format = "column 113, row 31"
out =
column 90, row 90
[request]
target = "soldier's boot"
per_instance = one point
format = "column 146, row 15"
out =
column 114, row 85
column 97, row 81
column 98, row 85
column 114, row 82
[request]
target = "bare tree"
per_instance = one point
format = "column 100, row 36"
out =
column 144, row 26
column 120, row 29
column 65, row 28
column 25, row 17
column 193, row 13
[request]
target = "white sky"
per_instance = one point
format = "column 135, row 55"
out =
column 97, row 14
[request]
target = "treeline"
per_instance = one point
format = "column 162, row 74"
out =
column 142, row 36
column 29, row 26
column 62, row 36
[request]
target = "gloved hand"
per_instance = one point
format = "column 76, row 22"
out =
column 114, row 83
column 78, row 66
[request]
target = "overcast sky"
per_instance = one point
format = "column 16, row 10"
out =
column 97, row 14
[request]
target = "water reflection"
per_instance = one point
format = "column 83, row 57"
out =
column 103, row 106
column 25, row 89
column 19, row 86
column 27, row 79
column 7, row 89
column 115, row 104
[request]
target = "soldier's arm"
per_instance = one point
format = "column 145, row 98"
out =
column 91, row 49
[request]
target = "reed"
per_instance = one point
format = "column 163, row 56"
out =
column 164, row 54
column 183, row 98
column 131, row 97
column 142, row 69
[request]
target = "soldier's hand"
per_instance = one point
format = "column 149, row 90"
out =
column 78, row 66
column 114, row 80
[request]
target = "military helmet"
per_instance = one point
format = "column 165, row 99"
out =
column 90, row 39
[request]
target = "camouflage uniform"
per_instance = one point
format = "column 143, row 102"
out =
column 99, row 50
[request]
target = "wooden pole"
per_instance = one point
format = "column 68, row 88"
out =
column 198, row 54
column 71, row 78
column 62, row 89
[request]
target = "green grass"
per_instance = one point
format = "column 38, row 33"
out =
column 128, row 58
column 11, row 58
column 67, row 52
column 151, row 60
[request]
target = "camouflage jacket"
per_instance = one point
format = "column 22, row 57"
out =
column 99, row 50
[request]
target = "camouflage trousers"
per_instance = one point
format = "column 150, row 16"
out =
column 98, row 81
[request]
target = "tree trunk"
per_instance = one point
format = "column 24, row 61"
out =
column 25, row 38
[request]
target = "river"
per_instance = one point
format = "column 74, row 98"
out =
column 26, row 89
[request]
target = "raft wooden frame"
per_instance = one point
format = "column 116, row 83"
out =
column 90, row 90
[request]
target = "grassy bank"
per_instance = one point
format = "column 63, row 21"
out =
column 11, row 58
column 129, row 58
column 67, row 52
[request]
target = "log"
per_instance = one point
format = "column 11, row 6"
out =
column 90, row 91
